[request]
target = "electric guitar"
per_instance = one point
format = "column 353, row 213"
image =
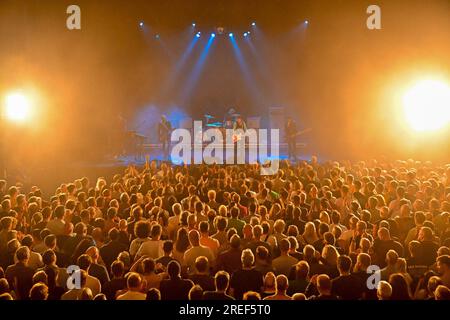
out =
column 298, row 133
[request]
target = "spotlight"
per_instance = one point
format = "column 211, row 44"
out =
column 245, row 34
column 230, row 35
column 426, row 105
column 213, row 35
column 253, row 24
column 18, row 107
column 141, row 24
column 157, row 36
column 193, row 24
column 306, row 22
column 198, row 35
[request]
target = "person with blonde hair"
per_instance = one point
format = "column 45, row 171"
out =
column 252, row 295
column 391, row 267
column 299, row 296
column 247, row 278
column 309, row 236
column 384, row 290
column 269, row 285
column 324, row 217
column 402, row 268
column 329, row 259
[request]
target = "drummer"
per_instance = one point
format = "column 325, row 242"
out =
column 229, row 119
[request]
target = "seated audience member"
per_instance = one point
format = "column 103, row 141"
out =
column 39, row 291
column 299, row 296
column 117, row 282
column 196, row 293
column 221, row 281
column 230, row 260
column 301, row 281
column 323, row 284
column 384, row 291
column 134, row 288
column 196, row 251
column 19, row 275
column 442, row 293
column 111, row 250
column 246, row 279
column 175, row 288
column 99, row 297
column 85, row 262
column 154, row 247
column 268, row 285
column 202, row 277
column 443, row 265
column 391, row 265
column 400, row 288
column 97, row 270
column 284, row 263
column 153, row 294
column 281, row 286
column 76, row 289
column 251, row 295
column 167, row 257
column 347, row 286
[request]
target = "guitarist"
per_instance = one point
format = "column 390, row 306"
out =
column 291, row 135
column 164, row 130
column 239, row 125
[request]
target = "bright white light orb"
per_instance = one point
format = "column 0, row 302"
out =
column 427, row 105
column 17, row 107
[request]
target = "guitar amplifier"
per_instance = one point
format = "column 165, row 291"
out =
column 277, row 119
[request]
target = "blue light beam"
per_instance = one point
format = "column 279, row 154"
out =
column 196, row 71
column 245, row 70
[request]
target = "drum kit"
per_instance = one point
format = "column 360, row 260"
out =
column 210, row 123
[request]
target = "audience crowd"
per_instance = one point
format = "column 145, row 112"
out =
column 375, row 230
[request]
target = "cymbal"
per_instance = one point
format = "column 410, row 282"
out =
column 215, row 124
column 208, row 116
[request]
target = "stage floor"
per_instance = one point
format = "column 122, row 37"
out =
column 155, row 152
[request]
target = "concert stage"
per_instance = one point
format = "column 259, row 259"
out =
column 155, row 152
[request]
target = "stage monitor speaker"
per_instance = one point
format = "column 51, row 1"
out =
column 253, row 122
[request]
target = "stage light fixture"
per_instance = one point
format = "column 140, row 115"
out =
column 245, row 34
column 157, row 36
column 198, row 35
column 213, row 35
column 141, row 24
column 230, row 34
column 220, row 30
column 426, row 105
column 306, row 21
column 193, row 24
column 17, row 107
column 253, row 24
